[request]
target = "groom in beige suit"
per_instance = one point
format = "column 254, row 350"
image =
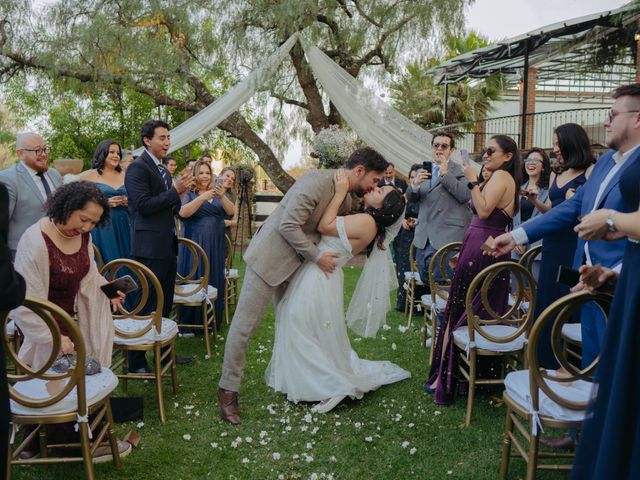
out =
column 286, row 240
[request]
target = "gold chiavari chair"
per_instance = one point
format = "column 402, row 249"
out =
column 435, row 302
column 530, row 256
column 135, row 331
column 501, row 335
column 194, row 291
column 543, row 398
column 42, row 397
column 231, row 280
column 98, row 257
column 411, row 281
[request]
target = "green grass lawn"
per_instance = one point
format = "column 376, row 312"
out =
column 394, row 433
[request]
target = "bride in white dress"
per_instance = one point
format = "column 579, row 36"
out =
column 312, row 358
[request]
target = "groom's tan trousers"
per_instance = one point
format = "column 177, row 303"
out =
column 252, row 303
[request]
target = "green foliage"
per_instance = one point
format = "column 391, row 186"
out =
column 417, row 96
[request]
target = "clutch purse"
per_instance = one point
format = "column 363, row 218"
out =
column 65, row 362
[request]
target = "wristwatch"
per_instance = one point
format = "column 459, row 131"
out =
column 610, row 224
column 470, row 185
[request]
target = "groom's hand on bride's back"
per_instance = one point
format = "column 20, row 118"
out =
column 327, row 262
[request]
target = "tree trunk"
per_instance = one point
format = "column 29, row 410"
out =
column 316, row 115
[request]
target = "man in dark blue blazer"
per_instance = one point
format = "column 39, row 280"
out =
column 153, row 201
column 601, row 191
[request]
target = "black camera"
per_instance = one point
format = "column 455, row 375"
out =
column 245, row 176
column 427, row 166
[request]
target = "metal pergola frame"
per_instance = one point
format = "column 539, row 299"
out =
column 557, row 51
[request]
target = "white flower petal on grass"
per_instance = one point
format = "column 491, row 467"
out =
column 405, row 444
column 309, row 445
column 449, row 472
column 248, row 439
column 214, row 444
column 413, row 450
column 186, row 436
column 304, row 428
column 338, row 424
column 188, row 407
column 288, row 428
column 437, row 412
column 308, row 458
column 386, row 327
column 411, row 425
column 315, row 430
column 275, row 456
column 140, row 424
column 308, row 418
column 333, row 459
column 295, row 456
column 402, row 328
column 263, row 434
column 357, row 424
column 368, row 439
column 270, row 409
column 245, row 460
column 393, row 346
column 224, row 434
column 207, row 357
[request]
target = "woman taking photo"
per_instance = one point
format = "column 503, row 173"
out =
column 203, row 212
column 494, row 202
column 113, row 240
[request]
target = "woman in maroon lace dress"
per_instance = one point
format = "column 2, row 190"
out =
column 55, row 257
column 493, row 202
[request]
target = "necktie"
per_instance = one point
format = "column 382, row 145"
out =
column 165, row 176
column 435, row 175
column 45, row 184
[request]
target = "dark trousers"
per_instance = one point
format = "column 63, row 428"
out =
column 4, row 410
column 165, row 270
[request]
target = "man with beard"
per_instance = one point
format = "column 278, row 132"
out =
column 601, row 191
column 286, row 240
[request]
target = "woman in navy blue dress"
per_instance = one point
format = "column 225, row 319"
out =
column 114, row 239
column 610, row 439
column 203, row 212
column 572, row 149
column 402, row 242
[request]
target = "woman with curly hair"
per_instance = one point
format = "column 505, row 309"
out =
column 312, row 358
column 112, row 240
column 55, row 257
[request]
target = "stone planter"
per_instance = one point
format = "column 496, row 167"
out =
column 69, row 165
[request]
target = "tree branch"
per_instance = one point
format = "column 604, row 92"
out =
column 364, row 15
column 290, row 101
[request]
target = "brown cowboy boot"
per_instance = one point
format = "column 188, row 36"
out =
column 228, row 401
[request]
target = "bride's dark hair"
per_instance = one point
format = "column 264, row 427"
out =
column 392, row 208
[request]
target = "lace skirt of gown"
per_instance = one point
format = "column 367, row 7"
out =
column 312, row 357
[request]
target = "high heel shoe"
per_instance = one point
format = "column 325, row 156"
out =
column 430, row 390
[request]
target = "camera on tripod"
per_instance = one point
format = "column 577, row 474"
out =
column 244, row 176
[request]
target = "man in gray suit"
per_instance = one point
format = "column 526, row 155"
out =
column 29, row 183
column 444, row 215
column 286, row 240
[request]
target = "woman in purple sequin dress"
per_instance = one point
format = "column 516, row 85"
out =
column 493, row 202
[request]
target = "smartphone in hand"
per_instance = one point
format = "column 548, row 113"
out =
column 464, row 154
column 568, row 276
column 124, row 284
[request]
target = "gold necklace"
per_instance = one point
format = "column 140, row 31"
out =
column 60, row 231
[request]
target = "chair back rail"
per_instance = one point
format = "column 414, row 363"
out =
column 198, row 257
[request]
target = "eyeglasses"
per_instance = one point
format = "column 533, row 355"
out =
column 438, row 146
column 488, row 151
column 530, row 161
column 611, row 114
column 38, row 151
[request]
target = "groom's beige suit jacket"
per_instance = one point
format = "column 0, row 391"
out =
column 290, row 234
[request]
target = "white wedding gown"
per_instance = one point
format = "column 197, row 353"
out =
column 312, row 358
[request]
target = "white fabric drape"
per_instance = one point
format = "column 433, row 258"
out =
column 211, row 116
column 378, row 124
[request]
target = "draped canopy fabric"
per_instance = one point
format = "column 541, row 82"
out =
column 378, row 124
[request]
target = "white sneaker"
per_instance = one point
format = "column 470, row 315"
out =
column 327, row 405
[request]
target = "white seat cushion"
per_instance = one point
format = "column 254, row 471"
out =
column 11, row 328
column 410, row 275
column 441, row 303
column 517, row 386
column 461, row 337
column 572, row 331
column 232, row 273
column 195, row 294
column 129, row 325
column 523, row 305
column 98, row 386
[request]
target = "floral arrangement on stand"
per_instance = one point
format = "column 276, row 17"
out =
column 332, row 146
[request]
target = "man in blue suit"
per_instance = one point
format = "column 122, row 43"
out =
column 600, row 192
column 153, row 200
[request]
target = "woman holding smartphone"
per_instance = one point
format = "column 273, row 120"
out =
column 114, row 239
column 203, row 213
